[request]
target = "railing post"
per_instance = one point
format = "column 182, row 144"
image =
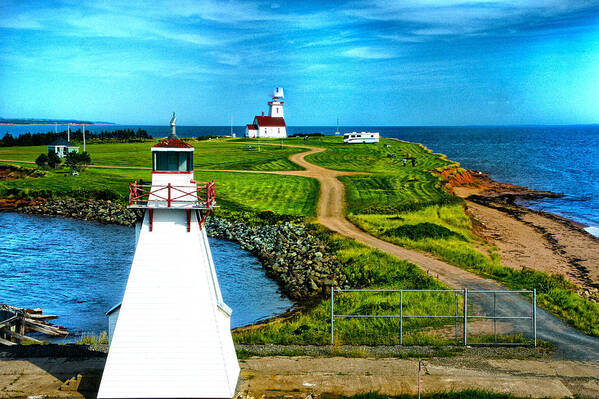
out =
column 169, row 195
column 455, row 294
column 494, row 319
column 534, row 315
column 465, row 316
column 130, row 194
column 401, row 317
column 332, row 313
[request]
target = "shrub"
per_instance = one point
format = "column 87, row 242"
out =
column 424, row 230
column 76, row 161
column 53, row 160
column 42, row 161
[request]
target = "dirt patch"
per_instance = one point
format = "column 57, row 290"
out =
column 71, row 371
column 9, row 172
column 473, row 182
column 540, row 241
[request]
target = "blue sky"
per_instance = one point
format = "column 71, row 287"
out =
column 428, row 62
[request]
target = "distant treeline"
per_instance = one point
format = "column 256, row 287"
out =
column 29, row 139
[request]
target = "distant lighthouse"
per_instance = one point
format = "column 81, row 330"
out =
column 270, row 126
column 172, row 338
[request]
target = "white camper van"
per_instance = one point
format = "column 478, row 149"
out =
column 362, row 137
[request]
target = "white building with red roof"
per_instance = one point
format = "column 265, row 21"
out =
column 271, row 126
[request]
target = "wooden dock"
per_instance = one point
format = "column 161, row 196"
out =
column 15, row 323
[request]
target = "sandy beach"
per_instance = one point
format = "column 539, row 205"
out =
column 530, row 238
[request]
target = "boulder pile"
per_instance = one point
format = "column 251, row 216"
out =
column 101, row 211
column 293, row 257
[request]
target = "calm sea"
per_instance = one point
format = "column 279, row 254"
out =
column 78, row 270
column 557, row 158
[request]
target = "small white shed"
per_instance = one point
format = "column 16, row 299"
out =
column 62, row 147
column 113, row 316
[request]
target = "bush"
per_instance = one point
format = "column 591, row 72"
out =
column 53, row 160
column 42, row 161
column 76, row 161
column 424, row 230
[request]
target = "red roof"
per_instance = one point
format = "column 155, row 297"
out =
column 252, row 127
column 174, row 144
column 269, row 121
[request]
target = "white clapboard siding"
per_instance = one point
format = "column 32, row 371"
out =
column 171, row 339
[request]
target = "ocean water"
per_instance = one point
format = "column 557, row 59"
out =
column 78, row 270
column 562, row 159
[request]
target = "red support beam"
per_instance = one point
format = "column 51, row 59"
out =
column 169, row 195
column 151, row 214
column 188, row 220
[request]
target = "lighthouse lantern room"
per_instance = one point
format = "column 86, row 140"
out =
column 158, row 348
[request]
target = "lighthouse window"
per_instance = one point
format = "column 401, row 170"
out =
column 173, row 161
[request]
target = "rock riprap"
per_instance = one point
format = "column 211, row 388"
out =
column 297, row 260
column 102, row 211
column 293, row 257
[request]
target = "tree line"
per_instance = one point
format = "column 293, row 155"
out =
column 31, row 139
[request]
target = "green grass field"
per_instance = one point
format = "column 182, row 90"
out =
column 213, row 154
column 367, row 268
column 285, row 195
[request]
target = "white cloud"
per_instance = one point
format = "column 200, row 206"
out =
column 368, row 53
column 459, row 17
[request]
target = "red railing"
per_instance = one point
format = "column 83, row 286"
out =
column 141, row 195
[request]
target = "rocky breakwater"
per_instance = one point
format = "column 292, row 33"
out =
column 101, row 211
column 293, row 257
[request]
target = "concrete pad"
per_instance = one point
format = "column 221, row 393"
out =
column 560, row 368
column 272, row 385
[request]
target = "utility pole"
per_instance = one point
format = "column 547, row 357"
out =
column 83, row 138
column 68, row 132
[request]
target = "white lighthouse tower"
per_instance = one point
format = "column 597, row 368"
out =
column 172, row 338
column 276, row 105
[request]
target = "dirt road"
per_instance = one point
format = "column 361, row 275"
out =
column 571, row 344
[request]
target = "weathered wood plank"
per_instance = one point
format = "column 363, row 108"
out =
column 22, row 337
column 6, row 342
column 9, row 322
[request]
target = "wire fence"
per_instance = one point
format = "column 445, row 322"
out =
column 469, row 306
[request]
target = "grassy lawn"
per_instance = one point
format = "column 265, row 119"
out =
column 285, row 195
column 213, row 154
column 445, row 232
column 367, row 268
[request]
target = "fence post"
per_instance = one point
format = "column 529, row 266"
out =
column 534, row 315
column 455, row 294
column 131, row 185
column 332, row 314
column 419, row 370
column 401, row 317
column 465, row 316
column 494, row 319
